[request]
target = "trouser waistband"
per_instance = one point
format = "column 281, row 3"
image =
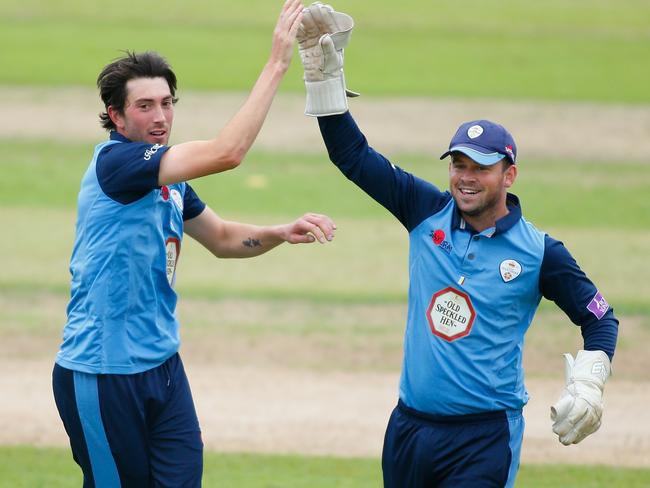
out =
column 452, row 419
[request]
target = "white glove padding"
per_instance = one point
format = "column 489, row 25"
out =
column 322, row 36
column 578, row 411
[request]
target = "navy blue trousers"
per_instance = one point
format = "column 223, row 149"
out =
column 138, row 430
column 464, row 451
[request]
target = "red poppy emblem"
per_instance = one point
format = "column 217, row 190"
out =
column 164, row 192
column 438, row 237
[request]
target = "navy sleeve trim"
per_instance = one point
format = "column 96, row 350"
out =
column 562, row 281
column 192, row 204
column 407, row 197
column 128, row 171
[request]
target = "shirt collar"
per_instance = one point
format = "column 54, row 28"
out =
column 116, row 136
column 502, row 225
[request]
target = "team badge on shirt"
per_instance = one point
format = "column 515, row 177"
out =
column 509, row 269
column 177, row 199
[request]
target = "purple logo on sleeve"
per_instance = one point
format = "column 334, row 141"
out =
column 598, row 305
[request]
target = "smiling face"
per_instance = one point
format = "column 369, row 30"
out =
column 148, row 112
column 480, row 191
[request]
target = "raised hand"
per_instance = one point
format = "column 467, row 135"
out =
column 285, row 32
column 322, row 36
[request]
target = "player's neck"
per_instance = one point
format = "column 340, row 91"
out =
column 486, row 219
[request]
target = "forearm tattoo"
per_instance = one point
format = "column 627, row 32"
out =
column 250, row 242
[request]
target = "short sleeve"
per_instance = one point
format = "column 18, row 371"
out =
column 192, row 204
column 128, row 171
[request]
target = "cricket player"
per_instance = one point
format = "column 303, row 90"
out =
column 118, row 380
column 478, row 271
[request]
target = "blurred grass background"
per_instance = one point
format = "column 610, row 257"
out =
column 558, row 49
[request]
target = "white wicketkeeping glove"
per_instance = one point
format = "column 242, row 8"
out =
column 322, row 36
column 577, row 413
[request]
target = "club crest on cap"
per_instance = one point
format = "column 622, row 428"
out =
column 474, row 131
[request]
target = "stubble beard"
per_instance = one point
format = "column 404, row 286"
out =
column 481, row 209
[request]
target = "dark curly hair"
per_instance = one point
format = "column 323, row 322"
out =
column 113, row 78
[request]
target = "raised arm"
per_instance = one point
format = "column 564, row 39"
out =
column 227, row 239
column 194, row 159
column 322, row 37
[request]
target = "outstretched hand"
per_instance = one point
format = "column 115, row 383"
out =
column 309, row 228
column 285, row 31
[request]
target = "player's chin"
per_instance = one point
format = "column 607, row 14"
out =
column 467, row 205
column 473, row 209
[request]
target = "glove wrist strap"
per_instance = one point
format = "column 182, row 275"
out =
column 326, row 97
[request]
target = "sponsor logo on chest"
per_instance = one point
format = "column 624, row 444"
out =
column 172, row 251
column 438, row 238
column 450, row 314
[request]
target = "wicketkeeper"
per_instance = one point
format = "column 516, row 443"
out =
column 478, row 271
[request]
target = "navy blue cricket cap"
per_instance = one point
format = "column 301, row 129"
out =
column 485, row 142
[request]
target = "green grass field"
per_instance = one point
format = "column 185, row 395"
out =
column 351, row 302
column 28, row 467
column 559, row 49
